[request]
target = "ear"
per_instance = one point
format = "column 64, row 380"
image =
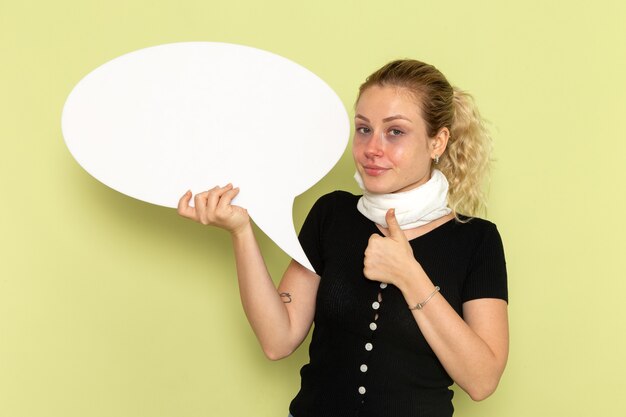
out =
column 439, row 142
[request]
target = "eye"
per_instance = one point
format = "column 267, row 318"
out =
column 396, row 132
column 363, row 130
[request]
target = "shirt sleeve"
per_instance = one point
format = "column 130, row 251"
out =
column 487, row 277
column 312, row 233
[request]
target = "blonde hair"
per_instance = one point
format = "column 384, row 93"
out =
column 465, row 163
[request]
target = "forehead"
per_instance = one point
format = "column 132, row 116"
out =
column 388, row 100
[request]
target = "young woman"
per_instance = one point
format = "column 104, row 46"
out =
column 409, row 294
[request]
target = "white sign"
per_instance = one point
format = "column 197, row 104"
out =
column 156, row 122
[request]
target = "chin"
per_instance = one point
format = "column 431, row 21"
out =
column 388, row 188
column 377, row 188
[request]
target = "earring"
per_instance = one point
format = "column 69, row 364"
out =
column 436, row 159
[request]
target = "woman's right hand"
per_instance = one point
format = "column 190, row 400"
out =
column 214, row 208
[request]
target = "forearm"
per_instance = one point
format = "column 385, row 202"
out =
column 261, row 302
column 280, row 329
column 474, row 361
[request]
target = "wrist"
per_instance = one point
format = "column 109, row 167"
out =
column 241, row 232
column 416, row 286
column 421, row 304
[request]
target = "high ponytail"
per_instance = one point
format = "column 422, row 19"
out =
column 465, row 163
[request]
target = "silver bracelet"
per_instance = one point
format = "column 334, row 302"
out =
column 421, row 305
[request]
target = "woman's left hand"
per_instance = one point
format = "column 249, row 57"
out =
column 390, row 259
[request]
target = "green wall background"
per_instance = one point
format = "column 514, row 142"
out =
column 113, row 307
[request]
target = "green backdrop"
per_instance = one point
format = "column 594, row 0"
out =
column 113, row 307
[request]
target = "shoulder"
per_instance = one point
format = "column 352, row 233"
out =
column 338, row 197
column 481, row 238
column 337, row 209
column 475, row 226
column 335, row 202
column 487, row 275
column 470, row 235
column 330, row 219
column 475, row 222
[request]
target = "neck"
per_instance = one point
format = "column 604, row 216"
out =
column 414, row 208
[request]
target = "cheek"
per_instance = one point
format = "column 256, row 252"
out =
column 400, row 155
column 408, row 156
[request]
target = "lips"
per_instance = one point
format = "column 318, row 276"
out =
column 374, row 170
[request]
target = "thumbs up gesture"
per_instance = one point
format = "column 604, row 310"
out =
column 389, row 259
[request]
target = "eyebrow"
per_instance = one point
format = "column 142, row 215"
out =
column 386, row 119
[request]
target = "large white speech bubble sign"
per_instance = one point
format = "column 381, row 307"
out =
column 158, row 121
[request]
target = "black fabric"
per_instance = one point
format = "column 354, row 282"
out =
column 404, row 377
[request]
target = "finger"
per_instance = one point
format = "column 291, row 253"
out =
column 183, row 205
column 227, row 197
column 224, row 189
column 373, row 237
column 392, row 224
column 200, row 206
column 369, row 272
column 200, row 199
column 216, row 194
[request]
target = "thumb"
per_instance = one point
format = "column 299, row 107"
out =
column 392, row 223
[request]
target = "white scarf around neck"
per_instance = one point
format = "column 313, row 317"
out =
column 413, row 208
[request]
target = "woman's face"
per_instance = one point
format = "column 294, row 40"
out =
column 391, row 148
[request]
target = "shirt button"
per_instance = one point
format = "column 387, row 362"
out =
column 363, row 368
column 369, row 346
column 361, row 390
column 373, row 326
column 375, row 305
column 383, row 285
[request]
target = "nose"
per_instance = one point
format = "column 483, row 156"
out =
column 374, row 146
